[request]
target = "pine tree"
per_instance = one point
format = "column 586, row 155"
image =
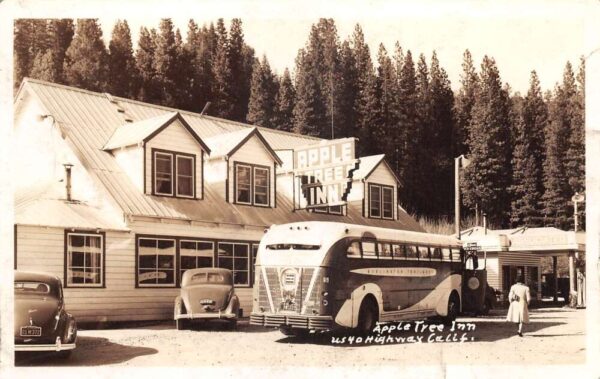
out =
column 407, row 133
column 199, row 49
column 576, row 154
column 488, row 176
column 123, row 76
column 286, row 99
column 240, row 69
column 144, row 58
column 387, row 93
column 440, row 134
column 366, row 106
column 309, row 110
column 557, row 191
column 223, row 98
column 44, row 67
column 465, row 99
column 262, row 105
column 22, row 42
column 165, row 63
column 183, row 75
column 61, row 31
column 86, row 59
column 528, row 155
column 345, row 126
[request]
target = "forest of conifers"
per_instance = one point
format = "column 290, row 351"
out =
column 526, row 150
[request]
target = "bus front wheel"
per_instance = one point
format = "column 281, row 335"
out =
column 367, row 316
column 453, row 307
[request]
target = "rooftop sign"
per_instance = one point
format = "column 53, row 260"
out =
column 323, row 172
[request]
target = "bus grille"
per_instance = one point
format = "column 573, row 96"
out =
column 290, row 302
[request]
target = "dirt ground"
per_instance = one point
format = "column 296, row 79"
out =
column 554, row 336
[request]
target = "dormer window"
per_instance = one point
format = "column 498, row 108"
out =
column 173, row 173
column 252, row 184
column 381, row 201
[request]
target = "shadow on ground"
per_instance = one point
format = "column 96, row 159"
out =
column 486, row 329
column 104, row 354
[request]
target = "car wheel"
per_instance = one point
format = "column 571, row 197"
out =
column 181, row 324
column 453, row 307
column 64, row 354
column 367, row 317
column 487, row 305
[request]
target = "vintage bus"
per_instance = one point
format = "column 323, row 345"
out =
column 325, row 275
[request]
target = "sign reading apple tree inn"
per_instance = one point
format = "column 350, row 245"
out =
column 323, row 172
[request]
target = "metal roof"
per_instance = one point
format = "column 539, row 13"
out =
column 89, row 119
column 63, row 214
column 133, row 133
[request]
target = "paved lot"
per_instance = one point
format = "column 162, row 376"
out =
column 554, row 336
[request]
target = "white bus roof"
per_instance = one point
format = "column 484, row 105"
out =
column 324, row 233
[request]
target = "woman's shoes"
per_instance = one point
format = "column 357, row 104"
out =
column 520, row 334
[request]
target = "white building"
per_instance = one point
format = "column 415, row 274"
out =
column 119, row 197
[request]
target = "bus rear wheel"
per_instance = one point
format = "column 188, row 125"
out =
column 453, row 307
column 367, row 316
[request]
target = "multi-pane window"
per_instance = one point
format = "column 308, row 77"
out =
column 334, row 209
column 381, row 201
column 85, row 256
column 156, row 262
column 174, row 174
column 252, row 184
column 387, row 202
column 375, row 201
column 235, row 257
column 163, row 173
column 185, row 176
column 195, row 254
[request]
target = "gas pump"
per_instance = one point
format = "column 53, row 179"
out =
column 475, row 290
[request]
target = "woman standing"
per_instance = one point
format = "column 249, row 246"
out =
column 519, row 298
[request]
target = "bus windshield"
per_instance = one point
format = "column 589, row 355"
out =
column 288, row 246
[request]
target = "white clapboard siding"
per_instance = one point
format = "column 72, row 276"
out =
column 252, row 152
column 381, row 175
column 174, row 137
column 493, row 272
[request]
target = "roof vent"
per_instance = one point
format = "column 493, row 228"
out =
column 117, row 105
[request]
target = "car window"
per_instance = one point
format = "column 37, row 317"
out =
column 211, row 277
column 34, row 288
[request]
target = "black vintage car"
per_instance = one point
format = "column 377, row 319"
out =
column 41, row 322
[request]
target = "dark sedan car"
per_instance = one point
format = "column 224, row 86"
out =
column 41, row 322
column 206, row 294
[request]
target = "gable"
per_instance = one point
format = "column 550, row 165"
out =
column 253, row 151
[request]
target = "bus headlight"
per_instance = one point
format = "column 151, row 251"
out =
column 325, row 302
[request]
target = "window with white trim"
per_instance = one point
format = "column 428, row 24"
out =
column 85, row 260
column 195, row 254
column 333, row 209
column 235, row 257
column 173, row 174
column 156, row 262
column 381, row 201
column 252, row 184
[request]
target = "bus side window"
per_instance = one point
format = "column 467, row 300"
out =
column 436, row 253
column 446, row 254
column 423, row 253
column 411, row 251
column 384, row 250
column 399, row 252
column 353, row 250
column 368, row 250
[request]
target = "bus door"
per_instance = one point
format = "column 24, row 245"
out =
column 474, row 280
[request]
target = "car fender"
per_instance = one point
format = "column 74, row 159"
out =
column 234, row 305
column 348, row 314
column 179, row 307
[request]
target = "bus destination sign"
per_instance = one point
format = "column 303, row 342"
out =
column 323, row 172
